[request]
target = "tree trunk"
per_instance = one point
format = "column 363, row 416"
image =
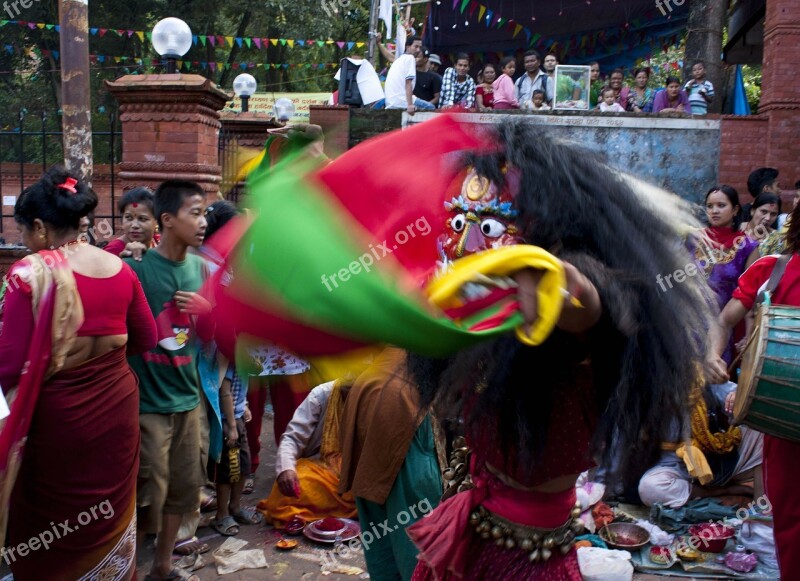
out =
column 704, row 43
column 243, row 24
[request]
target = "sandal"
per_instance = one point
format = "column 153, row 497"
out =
column 249, row 484
column 190, row 547
column 247, row 517
column 176, row 573
column 227, row 527
column 208, row 502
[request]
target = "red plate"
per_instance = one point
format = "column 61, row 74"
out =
column 351, row 531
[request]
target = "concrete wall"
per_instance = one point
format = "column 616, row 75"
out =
column 678, row 154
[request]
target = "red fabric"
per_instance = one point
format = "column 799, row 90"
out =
column 445, row 537
column 755, row 277
column 115, row 306
column 488, row 98
column 409, row 192
column 82, row 451
column 287, row 392
column 723, row 237
column 115, row 246
column 781, row 475
column 566, row 449
column 257, row 399
column 17, row 330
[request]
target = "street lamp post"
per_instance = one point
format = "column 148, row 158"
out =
column 244, row 86
column 172, row 38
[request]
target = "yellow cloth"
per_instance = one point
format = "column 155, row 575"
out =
column 692, row 452
column 696, row 462
column 319, row 479
column 444, row 290
column 318, row 497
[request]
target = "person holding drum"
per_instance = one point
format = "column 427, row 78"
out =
column 781, row 443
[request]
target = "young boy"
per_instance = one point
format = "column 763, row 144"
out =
column 700, row 91
column 170, row 471
column 608, row 103
column 234, row 465
column 537, row 101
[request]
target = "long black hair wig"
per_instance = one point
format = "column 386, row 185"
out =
column 645, row 352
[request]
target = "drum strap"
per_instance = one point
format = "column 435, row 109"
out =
column 774, row 279
column 765, row 298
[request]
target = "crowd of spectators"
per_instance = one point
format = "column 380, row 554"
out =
column 413, row 83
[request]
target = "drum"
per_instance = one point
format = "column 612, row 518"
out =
column 768, row 397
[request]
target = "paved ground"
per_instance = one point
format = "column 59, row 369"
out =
column 302, row 563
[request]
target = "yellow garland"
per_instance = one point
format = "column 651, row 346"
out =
column 717, row 443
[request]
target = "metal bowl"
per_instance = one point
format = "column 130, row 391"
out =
column 623, row 535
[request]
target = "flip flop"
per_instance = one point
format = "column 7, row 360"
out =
column 249, row 485
column 176, row 573
column 225, row 526
column 190, row 547
column 247, row 517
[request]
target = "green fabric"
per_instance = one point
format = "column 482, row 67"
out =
column 291, row 260
column 168, row 377
column 416, row 491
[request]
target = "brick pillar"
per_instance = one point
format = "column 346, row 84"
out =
column 248, row 130
column 780, row 99
column 170, row 129
column 335, row 123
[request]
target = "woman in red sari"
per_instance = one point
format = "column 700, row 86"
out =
column 63, row 367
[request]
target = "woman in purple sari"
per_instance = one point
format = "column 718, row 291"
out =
column 722, row 253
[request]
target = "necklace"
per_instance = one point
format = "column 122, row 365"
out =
column 77, row 242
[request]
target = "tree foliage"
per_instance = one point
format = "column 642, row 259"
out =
column 30, row 80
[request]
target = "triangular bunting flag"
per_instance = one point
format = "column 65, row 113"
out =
column 481, row 12
column 212, row 40
column 320, row 43
column 340, row 44
column 230, row 40
column 517, row 30
column 55, row 54
column 248, row 41
column 274, row 41
column 93, row 31
column 350, row 45
column 290, row 42
column 140, row 34
column 239, row 42
column 360, row 44
column 301, row 43
column 282, row 41
column 213, row 66
column 257, row 42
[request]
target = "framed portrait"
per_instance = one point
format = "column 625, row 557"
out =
column 572, row 84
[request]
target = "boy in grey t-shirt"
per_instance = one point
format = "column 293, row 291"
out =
column 700, row 91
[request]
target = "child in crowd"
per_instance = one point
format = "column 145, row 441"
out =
column 700, row 91
column 234, row 465
column 170, row 412
column 139, row 228
column 537, row 101
column 609, row 102
column 503, row 86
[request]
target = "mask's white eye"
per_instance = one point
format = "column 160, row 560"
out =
column 492, row 228
column 458, row 222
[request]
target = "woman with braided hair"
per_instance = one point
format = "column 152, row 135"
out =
column 611, row 381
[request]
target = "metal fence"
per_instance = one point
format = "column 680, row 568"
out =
column 228, row 148
column 33, row 141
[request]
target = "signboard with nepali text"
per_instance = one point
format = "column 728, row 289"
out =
column 263, row 102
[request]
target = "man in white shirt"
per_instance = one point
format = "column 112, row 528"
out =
column 400, row 80
column 308, row 462
column 534, row 79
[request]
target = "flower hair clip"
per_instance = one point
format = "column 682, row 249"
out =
column 69, row 185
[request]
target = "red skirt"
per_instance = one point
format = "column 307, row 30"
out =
column 76, row 489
